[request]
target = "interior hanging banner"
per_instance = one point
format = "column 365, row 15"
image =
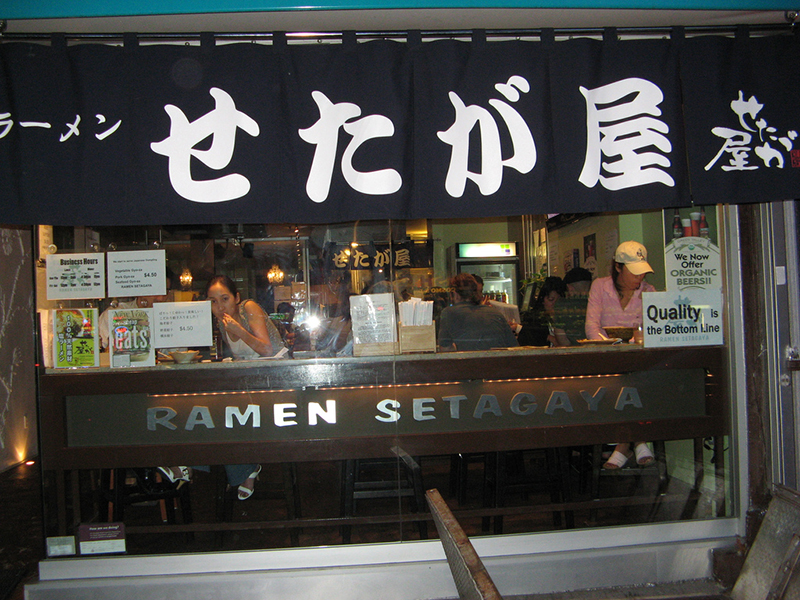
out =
column 105, row 135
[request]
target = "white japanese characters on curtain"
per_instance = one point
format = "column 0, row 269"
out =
column 390, row 130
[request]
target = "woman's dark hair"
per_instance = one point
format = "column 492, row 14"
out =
column 466, row 286
column 550, row 284
column 616, row 269
column 223, row 280
column 285, row 308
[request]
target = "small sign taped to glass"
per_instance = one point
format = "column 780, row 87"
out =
column 137, row 273
column 76, row 276
column 688, row 318
column 179, row 324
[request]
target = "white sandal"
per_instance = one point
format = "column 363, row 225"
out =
column 184, row 477
column 245, row 492
column 643, row 455
column 617, row 460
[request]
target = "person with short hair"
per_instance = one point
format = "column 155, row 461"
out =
column 578, row 281
column 509, row 311
column 469, row 324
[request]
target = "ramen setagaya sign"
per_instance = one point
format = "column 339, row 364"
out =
column 314, row 414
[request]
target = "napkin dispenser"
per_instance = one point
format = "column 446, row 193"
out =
column 417, row 338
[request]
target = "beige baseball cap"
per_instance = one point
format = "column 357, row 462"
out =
column 634, row 256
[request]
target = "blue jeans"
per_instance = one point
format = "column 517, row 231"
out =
column 237, row 474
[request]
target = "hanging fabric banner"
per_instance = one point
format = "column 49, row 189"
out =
column 251, row 133
column 743, row 118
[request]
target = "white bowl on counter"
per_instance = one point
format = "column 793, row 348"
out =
column 184, row 357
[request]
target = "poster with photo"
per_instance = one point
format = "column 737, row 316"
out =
column 589, row 247
column 131, row 337
column 695, row 221
column 75, row 340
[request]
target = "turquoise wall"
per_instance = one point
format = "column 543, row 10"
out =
column 28, row 9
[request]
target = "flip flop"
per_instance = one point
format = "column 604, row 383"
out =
column 643, row 455
column 245, row 492
column 617, row 460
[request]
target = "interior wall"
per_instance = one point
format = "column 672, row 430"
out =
column 17, row 355
column 590, row 243
column 469, row 231
column 563, row 244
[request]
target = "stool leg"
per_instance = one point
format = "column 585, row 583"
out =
column 105, row 503
column 224, row 505
column 489, row 483
column 594, row 486
column 455, row 476
column 292, row 499
column 660, row 450
column 118, row 511
column 553, row 481
column 347, row 495
column 501, row 477
column 419, row 497
column 565, row 490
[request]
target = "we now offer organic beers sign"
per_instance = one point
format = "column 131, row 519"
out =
column 692, row 263
column 690, row 318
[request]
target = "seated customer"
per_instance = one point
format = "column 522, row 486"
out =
column 540, row 324
column 245, row 327
column 616, row 301
column 510, row 311
column 248, row 333
column 572, row 308
column 469, row 324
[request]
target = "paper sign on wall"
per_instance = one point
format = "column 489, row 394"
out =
column 692, row 263
column 182, row 324
column 75, row 276
column 689, row 318
column 373, row 319
column 137, row 273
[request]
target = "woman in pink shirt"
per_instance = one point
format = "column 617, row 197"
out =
column 616, row 301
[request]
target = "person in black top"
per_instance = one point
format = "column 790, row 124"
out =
column 469, row 324
column 540, row 325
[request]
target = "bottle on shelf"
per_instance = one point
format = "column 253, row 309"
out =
column 703, row 225
column 677, row 226
column 217, row 351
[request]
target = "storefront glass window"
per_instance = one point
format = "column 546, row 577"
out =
column 351, row 429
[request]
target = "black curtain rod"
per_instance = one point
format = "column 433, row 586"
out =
column 322, row 36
